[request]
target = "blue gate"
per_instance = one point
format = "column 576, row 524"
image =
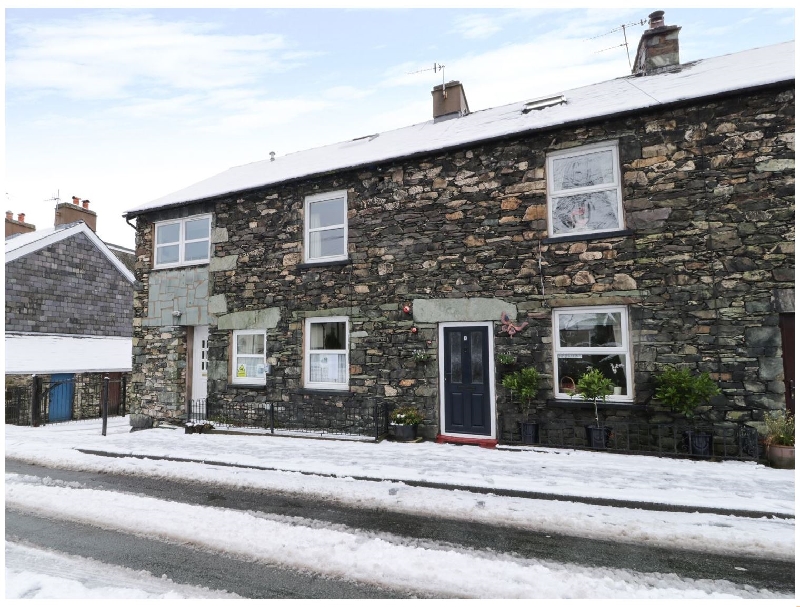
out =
column 62, row 389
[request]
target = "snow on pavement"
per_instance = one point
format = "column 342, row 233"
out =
column 75, row 577
column 758, row 537
column 731, row 484
column 361, row 556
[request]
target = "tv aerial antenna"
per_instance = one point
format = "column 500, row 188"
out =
column 56, row 198
column 623, row 28
column 436, row 68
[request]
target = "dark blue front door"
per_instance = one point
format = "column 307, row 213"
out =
column 62, row 388
column 467, row 406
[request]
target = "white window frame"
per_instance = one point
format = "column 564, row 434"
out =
column 624, row 349
column 616, row 186
column 181, row 242
column 307, row 383
column 307, row 230
column 248, row 381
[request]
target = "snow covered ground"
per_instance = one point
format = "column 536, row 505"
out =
column 295, row 464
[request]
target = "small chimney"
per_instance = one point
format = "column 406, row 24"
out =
column 67, row 212
column 449, row 101
column 658, row 48
column 17, row 226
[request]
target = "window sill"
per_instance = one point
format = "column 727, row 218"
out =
column 178, row 266
column 587, row 404
column 317, row 264
column 593, row 236
column 324, row 391
column 237, row 386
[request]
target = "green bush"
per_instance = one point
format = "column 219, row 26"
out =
column 525, row 383
column 594, row 386
column 406, row 416
column 780, row 429
column 505, row 358
column 682, row 391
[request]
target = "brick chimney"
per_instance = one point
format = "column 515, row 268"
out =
column 18, row 225
column 449, row 101
column 69, row 212
column 658, row 47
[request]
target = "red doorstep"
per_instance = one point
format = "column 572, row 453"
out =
column 486, row 443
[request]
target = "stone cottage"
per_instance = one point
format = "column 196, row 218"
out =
column 68, row 314
column 636, row 223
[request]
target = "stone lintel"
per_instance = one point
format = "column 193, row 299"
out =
column 217, row 304
column 568, row 302
column 471, row 309
column 350, row 312
column 266, row 318
column 223, row 264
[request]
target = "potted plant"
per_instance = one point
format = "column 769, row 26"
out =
column 780, row 440
column 683, row 392
column 595, row 386
column 525, row 383
column 404, row 422
column 505, row 364
column 420, row 356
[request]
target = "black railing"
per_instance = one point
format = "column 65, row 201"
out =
column 44, row 401
column 370, row 419
column 720, row 441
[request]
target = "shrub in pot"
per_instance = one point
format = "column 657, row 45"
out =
column 525, row 383
column 683, row 392
column 404, row 421
column 780, row 440
column 595, row 386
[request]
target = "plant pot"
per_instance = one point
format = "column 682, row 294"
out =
column 403, row 432
column 698, row 442
column 529, row 432
column 189, row 430
column 781, row 456
column 503, row 370
column 598, row 437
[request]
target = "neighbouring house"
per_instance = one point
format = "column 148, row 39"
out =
column 628, row 225
column 69, row 314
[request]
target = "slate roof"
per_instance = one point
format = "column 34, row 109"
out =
column 704, row 78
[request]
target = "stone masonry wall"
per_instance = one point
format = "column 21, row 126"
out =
column 69, row 287
column 708, row 194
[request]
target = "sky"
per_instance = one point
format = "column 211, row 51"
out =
column 123, row 106
column 325, row 470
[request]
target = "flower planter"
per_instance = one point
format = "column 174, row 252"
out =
column 189, row 430
column 781, row 456
column 529, row 432
column 698, row 443
column 598, row 438
column 403, row 432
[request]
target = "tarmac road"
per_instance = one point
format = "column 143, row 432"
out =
column 258, row 580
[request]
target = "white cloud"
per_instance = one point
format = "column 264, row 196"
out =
column 121, row 54
column 477, row 25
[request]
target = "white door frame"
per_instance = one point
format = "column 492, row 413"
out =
column 492, row 400
column 199, row 375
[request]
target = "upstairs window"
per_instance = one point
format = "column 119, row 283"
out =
column 183, row 242
column 326, row 227
column 584, row 194
column 326, row 355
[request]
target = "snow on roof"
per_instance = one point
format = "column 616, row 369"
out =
column 737, row 71
column 24, row 244
column 28, row 353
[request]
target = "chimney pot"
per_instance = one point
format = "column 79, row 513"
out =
column 9, row 215
column 76, row 200
column 21, row 217
column 85, row 204
column 656, row 19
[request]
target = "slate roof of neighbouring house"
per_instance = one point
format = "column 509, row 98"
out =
column 698, row 79
column 28, row 353
column 23, row 244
